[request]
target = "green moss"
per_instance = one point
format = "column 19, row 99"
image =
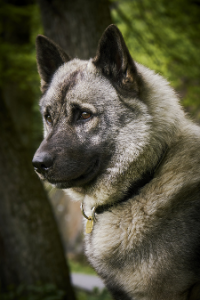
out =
column 164, row 36
column 95, row 295
column 80, row 267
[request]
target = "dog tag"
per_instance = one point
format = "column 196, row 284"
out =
column 89, row 225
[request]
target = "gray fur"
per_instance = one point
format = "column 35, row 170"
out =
column 147, row 247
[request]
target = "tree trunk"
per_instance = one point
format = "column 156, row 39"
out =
column 75, row 25
column 30, row 246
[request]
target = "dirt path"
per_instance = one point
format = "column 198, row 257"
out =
column 87, row 282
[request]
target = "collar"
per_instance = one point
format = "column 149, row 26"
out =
column 133, row 191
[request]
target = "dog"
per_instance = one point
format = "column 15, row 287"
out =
column 117, row 139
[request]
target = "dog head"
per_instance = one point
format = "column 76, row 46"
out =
column 98, row 117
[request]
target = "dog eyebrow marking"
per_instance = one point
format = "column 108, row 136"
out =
column 68, row 84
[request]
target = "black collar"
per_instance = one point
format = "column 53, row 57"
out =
column 135, row 188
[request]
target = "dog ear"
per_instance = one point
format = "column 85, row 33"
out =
column 115, row 61
column 49, row 58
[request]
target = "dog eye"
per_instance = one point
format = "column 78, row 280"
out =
column 85, row 115
column 48, row 119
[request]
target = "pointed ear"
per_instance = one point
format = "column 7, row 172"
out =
column 49, row 58
column 115, row 61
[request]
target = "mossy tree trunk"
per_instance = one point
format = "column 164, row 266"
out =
column 18, row 76
column 30, row 246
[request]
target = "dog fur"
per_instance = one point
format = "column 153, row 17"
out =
column 147, row 247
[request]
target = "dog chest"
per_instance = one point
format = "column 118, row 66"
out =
column 113, row 250
column 135, row 259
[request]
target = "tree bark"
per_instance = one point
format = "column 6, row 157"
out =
column 30, row 246
column 75, row 25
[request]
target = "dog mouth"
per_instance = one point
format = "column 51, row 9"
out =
column 85, row 178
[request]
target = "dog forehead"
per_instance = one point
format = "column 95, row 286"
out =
column 90, row 90
column 91, row 87
column 78, row 81
column 67, row 76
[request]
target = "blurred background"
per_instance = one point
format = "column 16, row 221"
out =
column 41, row 239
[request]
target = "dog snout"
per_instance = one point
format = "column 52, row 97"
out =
column 42, row 162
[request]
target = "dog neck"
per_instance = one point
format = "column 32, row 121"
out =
column 135, row 188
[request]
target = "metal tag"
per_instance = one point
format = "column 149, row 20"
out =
column 89, row 225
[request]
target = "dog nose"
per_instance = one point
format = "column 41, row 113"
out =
column 42, row 162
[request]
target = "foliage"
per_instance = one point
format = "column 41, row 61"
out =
column 95, row 295
column 164, row 36
column 49, row 292
column 36, row 292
